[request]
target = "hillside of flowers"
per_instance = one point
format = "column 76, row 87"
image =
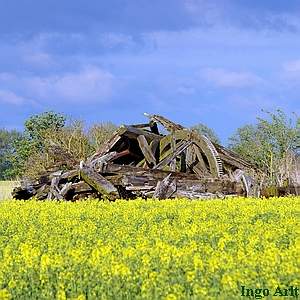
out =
column 148, row 249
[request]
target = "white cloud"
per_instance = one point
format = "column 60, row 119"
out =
column 291, row 70
column 90, row 85
column 222, row 78
column 10, row 98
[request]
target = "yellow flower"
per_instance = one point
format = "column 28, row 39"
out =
column 171, row 297
column 4, row 295
column 61, row 295
column 12, row 284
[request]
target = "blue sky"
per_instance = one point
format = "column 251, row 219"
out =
column 217, row 62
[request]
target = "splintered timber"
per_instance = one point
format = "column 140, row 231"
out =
column 139, row 161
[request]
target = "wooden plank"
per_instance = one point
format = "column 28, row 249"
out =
column 168, row 159
column 65, row 189
column 167, row 124
column 42, row 192
column 200, row 158
column 81, row 187
column 233, row 159
column 199, row 166
column 132, row 132
column 164, row 189
column 100, row 163
column 173, row 149
column 146, row 150
column 120, row 170
column 104, row 148
column 99, row 183
column 141, row 125
column 154, row 145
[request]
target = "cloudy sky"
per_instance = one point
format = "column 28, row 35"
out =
column 217, row 62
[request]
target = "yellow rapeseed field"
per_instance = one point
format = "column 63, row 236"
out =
column 173, row 249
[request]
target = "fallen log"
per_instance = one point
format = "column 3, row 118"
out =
column 99, row 183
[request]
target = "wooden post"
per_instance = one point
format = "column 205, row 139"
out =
column 173, row 148
column 146, row 150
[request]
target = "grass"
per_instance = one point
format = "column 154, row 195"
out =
column 6, row 188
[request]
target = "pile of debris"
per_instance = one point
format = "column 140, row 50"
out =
column 139, row 161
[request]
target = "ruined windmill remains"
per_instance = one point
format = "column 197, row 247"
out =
column 139, row 161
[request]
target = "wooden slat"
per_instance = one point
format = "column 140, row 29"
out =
column 168, row 159
column 199, row 166
column 173, row 149
column 164, row 189
column 146, row 150
column 104, row 148
column 99, row 183
column 167, row 124
column 132, row 132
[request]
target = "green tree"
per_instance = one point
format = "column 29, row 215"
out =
column 75, row 136
column 206, row 131
column 38, row 126
column 271, row 144
column 7, row 149
column 29, row 151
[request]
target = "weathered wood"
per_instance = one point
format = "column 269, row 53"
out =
column 233, row 159
column 170, row 158
column 140, row 125
column 104, row 148
column 81, row 187
column 198, row 156
column 145, row 148
column 132, row 132
column 42, row 192
column 69, row 174
column 54, row 189
column 120, row 170
column 65, row 189
column 173, row 149
column 99, row 163
column 61, row 155
column 164, row 189
column 198, row 167
column 99, row 183
column 195, row 162
column 167, row 124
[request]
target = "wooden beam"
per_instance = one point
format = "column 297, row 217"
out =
column 168, row 159
column 199, row 166
column 173, row 149
column 146, row 150
column 167, row 124
column 233, row 159
column 164, row 189
column 132, row 132
column 104, row 148
column 99, row 183
column 140, row 125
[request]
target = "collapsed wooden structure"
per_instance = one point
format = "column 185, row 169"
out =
column 139, row 161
